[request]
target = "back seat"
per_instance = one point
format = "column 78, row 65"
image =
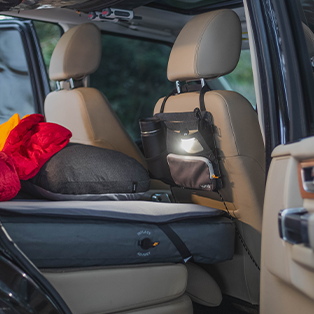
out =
column 121, row 257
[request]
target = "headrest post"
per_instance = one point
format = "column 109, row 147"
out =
column 203, row 83
column 71, row 82
column 178, row 87
column 58, row 86
column 75, row 83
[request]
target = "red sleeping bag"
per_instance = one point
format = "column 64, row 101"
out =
column 29, row 145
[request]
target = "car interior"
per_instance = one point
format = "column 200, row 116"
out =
column 226, row 227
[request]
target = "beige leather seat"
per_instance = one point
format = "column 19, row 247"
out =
column 137, row 289
column 86, row 112
column 209, row 47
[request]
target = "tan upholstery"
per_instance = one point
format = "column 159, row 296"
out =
column 241, row 151
column 309, row 37
column 89, row 116
column 201, row 287
column 85, row 111
column 77, row 53
column 118, row 289
column 207, row 47
column 182, row 305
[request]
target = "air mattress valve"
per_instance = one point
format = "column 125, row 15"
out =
column 146, row 244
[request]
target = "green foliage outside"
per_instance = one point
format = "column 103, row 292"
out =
column 133, row 76
column 49, row 35
column 241, row 79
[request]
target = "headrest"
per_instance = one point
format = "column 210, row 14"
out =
column 208, row 46
column 309, row 37
column 77, row 53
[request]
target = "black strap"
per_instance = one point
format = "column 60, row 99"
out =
column 204, row 89
column 177, row 242
column 186, row 88
column 189, row 88
column 162, row 108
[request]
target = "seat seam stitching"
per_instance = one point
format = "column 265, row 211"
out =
column 230, row 122
column 192, row 295
column 144, row 304
column 247, row 157
column 87, row 113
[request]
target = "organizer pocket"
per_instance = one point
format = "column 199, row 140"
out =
column 194, row 172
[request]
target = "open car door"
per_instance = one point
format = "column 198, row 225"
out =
column 287, row 263
column 287, row 277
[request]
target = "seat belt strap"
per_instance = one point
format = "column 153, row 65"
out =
column 177, row 242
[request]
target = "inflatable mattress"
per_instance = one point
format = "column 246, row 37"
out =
column 83, row 234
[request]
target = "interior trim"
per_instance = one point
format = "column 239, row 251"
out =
column 301, row 165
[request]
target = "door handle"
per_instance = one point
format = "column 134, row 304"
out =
column 293, row 225
column 307, row 175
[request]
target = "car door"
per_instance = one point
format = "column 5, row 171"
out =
column 286, row 72
column 23, row 77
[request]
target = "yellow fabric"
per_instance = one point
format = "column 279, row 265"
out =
column 6, row 127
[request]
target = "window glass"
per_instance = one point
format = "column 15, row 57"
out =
column 16, row 94
column 133, row 76
column 308, row 9
column 307, row 17
column 240, row 80
column 48, row 35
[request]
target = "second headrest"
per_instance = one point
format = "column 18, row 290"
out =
column 208, row 46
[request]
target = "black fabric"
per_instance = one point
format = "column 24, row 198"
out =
column 88, row 170
column 202, row 96
column 186, row 88
column 86, row 234
column 191, row 88
column 177, row 242
column 162, row 108
column 178, row 127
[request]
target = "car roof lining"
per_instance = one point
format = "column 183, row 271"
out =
column 155, row 24
column 189, row 7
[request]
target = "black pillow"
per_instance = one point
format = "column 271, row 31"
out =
column 83, row 172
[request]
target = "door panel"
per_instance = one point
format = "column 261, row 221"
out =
column 287, row 275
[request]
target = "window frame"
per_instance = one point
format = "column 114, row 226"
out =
column 273, row 20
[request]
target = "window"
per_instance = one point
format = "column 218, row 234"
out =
column 240, row 80
column 16, row 91
column 48, row 35
column 133, row 76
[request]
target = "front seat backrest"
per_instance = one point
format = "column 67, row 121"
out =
column 86, row 112
column 208, row 47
